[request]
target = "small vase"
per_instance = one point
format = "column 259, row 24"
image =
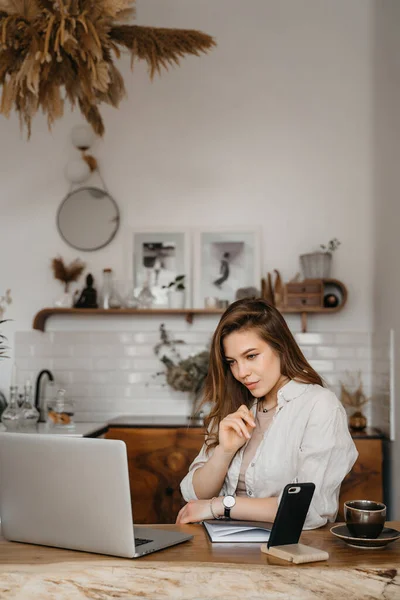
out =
column 357, row 421
column 65, row 301
column 145, row 297
column 176, row 299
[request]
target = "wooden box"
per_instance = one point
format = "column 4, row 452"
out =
column 307, row 294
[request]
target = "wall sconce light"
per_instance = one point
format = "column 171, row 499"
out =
column 82, row 137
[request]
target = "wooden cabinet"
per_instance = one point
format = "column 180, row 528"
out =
column 158, row 460
column 365, row 481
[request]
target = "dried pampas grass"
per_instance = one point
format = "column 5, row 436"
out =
column 67, row 273
column 52, row 51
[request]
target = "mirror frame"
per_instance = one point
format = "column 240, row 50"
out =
column 109, row 240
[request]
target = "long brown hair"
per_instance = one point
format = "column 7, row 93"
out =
column 222, row 390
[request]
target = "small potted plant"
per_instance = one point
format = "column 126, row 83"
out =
column 176, row 292
column 317, row 265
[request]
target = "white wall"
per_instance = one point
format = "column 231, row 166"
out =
column 272, row 129
column 386, row 190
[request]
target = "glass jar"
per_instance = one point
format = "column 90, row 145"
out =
column 60, row 411
column 11, row 415
column 145, row 297
column 29, row 414
column 109, row 296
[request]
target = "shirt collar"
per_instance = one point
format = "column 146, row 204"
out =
column 291, row 390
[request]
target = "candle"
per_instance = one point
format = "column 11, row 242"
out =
column 14, row 375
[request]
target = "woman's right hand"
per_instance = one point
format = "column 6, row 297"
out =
column 236, row 429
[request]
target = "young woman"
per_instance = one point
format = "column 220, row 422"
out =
column 272, row 423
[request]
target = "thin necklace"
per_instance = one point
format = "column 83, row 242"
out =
column 265, row 410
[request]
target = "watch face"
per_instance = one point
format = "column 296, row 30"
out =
column 229, row 501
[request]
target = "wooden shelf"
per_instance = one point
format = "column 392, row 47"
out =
column 39, row 321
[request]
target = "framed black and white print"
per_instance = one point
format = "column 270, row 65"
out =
column 225, row 261
column 159, row 257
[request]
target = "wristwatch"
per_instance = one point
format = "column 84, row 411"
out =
column 228, row 502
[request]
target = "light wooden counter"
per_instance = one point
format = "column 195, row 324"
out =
column 200, row 570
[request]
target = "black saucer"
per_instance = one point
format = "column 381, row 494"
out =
column 387, row 536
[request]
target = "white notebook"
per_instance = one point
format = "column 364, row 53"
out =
column 237, row 531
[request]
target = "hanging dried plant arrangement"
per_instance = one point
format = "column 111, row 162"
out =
column 57, row 50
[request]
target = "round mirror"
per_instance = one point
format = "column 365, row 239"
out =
column 88, row 218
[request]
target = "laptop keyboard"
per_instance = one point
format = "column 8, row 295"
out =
column 140, row 541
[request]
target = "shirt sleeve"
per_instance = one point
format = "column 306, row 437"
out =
column 327, row 453
column 187, row 488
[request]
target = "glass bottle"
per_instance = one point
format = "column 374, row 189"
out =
column 11, row 415
column 130, row 298
column 109, row 296
column 60, row 411
column 145, row 297
column 29, row 414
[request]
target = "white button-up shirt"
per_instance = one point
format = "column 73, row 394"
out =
column 308, row 441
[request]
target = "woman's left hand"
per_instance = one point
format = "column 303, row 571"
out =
column 195, row 511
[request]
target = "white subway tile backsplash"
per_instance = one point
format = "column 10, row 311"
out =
column 72, row 363
column 24, row 351
column 34, row 363
column 335, row 352
column 352, row 365
column 93, row 350
column 326, row 352
column 147, row 364
column 112, row 363
column 322, row 366
column 25, row 375
column 363, row 352
column 22, row 338
column 49, row 350
column 140, row 351
column 308, row 351
column 110, row 367
column 313, row 338
column 64, row 378
column 353, row 339
column 146, row 338
column 71, row 337
column 114, row 338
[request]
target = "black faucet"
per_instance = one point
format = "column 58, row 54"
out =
column 37, row 390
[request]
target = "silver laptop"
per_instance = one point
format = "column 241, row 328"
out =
column 72, row 493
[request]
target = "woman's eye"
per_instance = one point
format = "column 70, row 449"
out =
column 230, row 363
column 251, row 356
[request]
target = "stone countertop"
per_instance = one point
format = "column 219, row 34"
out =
column 200, row 570
column 79, row 430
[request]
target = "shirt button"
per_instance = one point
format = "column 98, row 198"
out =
column 250, row 493
column 252, row 464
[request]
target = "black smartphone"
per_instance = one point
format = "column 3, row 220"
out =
column 292, row 512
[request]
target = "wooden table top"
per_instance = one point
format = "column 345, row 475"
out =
column 201, row 551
